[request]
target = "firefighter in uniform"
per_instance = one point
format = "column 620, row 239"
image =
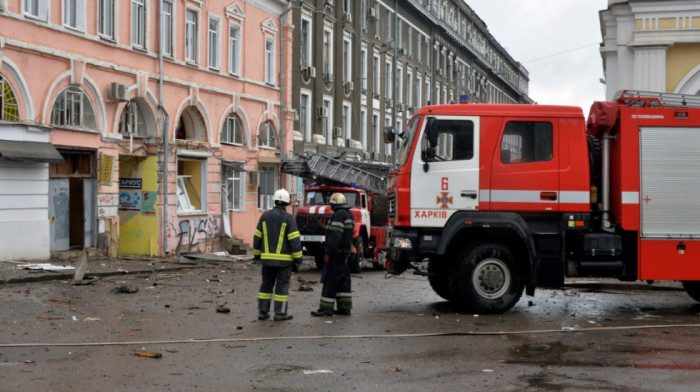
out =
column 336, row 288
column 277, row 245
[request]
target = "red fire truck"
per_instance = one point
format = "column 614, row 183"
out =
column 500, row 199
column 364, row 187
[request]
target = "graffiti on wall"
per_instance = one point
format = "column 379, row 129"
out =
column 193, row 233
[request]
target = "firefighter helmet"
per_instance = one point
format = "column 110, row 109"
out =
column 338, row 198
column 281, row 196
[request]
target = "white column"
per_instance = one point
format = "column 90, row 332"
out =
column 650, row 68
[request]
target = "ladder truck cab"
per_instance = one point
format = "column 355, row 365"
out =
column 365, row 192
column 501, row 199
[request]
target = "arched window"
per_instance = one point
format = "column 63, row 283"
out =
column 267, row 136
column 232, row 131
column 191, row 126
column 9, row 110
column 72, row 108
column 132, row 120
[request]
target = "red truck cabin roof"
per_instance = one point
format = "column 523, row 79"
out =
column 501, row 110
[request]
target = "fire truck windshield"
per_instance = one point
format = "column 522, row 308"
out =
column 322, row 198
column 407, row 141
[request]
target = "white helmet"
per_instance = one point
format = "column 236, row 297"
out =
column 281, row 196
column 338, row 198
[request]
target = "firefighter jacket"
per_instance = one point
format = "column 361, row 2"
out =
column 277, row 242
column 339, row 231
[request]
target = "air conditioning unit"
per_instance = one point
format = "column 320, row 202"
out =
column 328, row 77
column 253, row 178
column 373, row 156
column 425, row 39
column 310, row 72
column 399, row 107
column 337, row 132
column 322, row 112
column 118, row 92
column 330, row 2
column 402, row 51
column 372, row 13
column 347, row 17
column 388, row 102
column 349, row 86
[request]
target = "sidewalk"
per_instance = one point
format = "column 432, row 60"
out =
column 97, row 266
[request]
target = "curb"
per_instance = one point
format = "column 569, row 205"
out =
column 45, row 278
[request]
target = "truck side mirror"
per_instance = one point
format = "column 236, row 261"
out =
column 389, row 134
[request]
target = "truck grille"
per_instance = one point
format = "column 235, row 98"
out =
column 392, row 206
column 311, row 224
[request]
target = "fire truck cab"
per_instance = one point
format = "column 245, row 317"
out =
column 504, row 198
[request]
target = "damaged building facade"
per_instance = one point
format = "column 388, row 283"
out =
column 139, row 127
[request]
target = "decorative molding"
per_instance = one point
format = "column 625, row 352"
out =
column 234, row 11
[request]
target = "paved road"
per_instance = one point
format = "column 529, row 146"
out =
column 401, row 337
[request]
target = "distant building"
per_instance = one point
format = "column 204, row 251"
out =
column 651, row 45
column 139, row 127
column 360, row 66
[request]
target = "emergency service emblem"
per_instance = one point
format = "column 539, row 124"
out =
column 444, row 199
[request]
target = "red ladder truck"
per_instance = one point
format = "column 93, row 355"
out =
column 501, row 199
column 365, row 192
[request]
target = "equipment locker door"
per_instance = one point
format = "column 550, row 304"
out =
column 445, row 172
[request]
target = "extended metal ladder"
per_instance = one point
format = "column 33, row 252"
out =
column 323, row 168
column 657, row 99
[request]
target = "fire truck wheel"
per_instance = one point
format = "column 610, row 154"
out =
column 439, row 278
column 692, row 287
column 486, row 279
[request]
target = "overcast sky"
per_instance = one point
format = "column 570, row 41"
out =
column 557, row 41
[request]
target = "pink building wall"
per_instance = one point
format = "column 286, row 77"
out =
column 39, row 59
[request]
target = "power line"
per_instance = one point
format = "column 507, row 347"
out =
column 560, row 53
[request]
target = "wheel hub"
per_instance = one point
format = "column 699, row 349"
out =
column 491, row 278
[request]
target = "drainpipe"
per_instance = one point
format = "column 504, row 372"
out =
column 164, row 130
column 283, row 132
column 395, row 84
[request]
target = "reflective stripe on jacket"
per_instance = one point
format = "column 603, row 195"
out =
column 339, row 231
column 277, row 241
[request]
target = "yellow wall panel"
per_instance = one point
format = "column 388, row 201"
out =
column 138, row 234
column 680, row 59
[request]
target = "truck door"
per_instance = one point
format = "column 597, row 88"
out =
column 525, row 167
column 445, row 171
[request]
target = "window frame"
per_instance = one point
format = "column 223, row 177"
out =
column 214, row 43
column 192, row 36
column 167, row 41
column 234, row 49
column 270, row 69
column 42, row 11
column 266, row 171
column 306, row 42
column 138, row 23
column 106, row 21
column 266, row 130
column 305, row 110
column 69, row 104
column 5, row 91
column 235, row 199
column 182, row 194
column 231, row 132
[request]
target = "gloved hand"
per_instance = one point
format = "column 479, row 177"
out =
column 326, row 259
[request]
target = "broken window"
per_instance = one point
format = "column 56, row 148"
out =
column 191, row 126
column 132, row 121
column 191, row 185
column 72, row 108
column 267, row 136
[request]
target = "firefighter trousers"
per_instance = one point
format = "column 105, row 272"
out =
column 277, row 278
column 336, row 288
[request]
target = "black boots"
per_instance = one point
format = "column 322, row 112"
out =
column 263, row 315
column 283, row 316
column 322, row 312
column 342, row 312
